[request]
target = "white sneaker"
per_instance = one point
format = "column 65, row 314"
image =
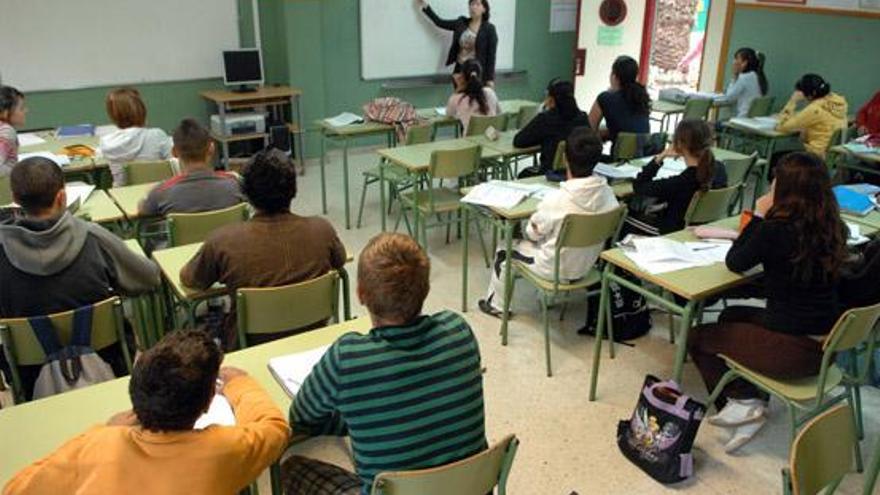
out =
column 739, row 412
column 743, row 435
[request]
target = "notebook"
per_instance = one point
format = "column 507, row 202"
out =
column 69, row 131
column 344, row 119
column 219, row 413
column 291, row 370
column 853, row 202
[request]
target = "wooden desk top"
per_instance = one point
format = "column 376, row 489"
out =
column 416, row 158
column 55, row 145
column 39, row 427
column 100, row 208
column 504, row 145
column 354, row 130
column 172, row 260
column 263, row 93
column 867, row 157
column 129, row 197
column 766, row 133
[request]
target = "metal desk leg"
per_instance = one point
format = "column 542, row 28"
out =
column 600, row 332
column 508, row 276
column 345, row 182
column 382, row 200
column 681, row 345
column 323, row 171
column 464, row 257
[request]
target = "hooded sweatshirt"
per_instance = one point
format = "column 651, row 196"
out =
column 134, row 143
column 47, row 266
column 817, row 121
column 588, row 195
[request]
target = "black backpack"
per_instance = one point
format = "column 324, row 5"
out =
column 630, row 316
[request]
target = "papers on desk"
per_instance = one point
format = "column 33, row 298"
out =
column 77, row 194
column 441, row 111
column 625, row 171
column 344, row 119
column 290, row 371
column 670, row 168
column 219, row 413
column 30, row 139
column 854, row 236
column 504, row 195
column 679, row 96
column 657, row 255
column 756, row 123
column 60, row 160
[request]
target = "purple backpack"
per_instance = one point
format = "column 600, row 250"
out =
column 659, row 436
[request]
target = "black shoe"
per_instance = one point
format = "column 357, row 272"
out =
column 487, row 308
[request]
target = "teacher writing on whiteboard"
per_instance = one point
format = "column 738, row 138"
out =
column 473, row 37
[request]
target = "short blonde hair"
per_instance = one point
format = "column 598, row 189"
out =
column 126, row 108
column 393, row 277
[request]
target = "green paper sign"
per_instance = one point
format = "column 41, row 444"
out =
column 610, row 36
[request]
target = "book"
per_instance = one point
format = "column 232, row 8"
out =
column 70, row 131
column 852, row 202
column 344, row 119
column 29, row 139
column 291, row 370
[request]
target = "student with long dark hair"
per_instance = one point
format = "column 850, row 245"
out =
column 12, row 114
column 472, row 96
column 799, row 239
column 824, row 113
column 626, row 106
column 669, row 198
column 560, row 116
column 473, row 37
column 749, row 81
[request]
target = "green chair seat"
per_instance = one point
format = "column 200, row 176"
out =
column 592, row 278
column 392, row 173
column 445, row 200
column 800, row 390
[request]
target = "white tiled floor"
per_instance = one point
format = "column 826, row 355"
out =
column 568, row 443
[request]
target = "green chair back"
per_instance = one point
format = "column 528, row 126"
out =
column 761, row 106
column 188, row 228
column 476, row 475
column 626, row 146
column 454, row 164
column 23, row 348
column 580, row 230
column 278, row 309
column 5, row 191
column 738, row 169
column 697, row 108
column 525, row 115
column 479, row 123
column 419, row 134
column 559, row 160
column 838, row 137
column 709, row 206
column 822, row 454
column 853, row 328
column 145, row 172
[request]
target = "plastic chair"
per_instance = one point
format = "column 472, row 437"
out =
column 145, row 172
column 476, row 475
column 23, row 348
column 188, row 228
column 559, row 160
column 279, row 309
column 526, row 113
column 812, row 395
column 739, row 171
column 5, row 191
column 479, row 123
column 821, row 455
column 630, row 145
column 577, row 231
column 761, row 106
column 709, row 206
column 696, row 108
column 398, row 180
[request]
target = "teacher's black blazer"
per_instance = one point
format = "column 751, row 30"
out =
column 486, row 45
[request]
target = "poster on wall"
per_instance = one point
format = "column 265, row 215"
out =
column 563, row 16
column 869, row 4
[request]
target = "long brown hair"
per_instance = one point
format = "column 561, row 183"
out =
column 695, row 137
column 803, row 197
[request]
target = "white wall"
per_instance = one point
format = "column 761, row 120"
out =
column 599, row 58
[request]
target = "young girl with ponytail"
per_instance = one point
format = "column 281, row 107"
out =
column 472, row 96
column 824, row 113
column 692, row 142
column 749, row 81
column 626, row 106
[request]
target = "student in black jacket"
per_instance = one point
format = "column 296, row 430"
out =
column 799, row 239
column 473, row 37
column 659, row 205
column 560, row 116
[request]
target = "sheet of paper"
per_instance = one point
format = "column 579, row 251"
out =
column 441, row 111
column 78, row 191
column 219, row 413
column 343, row 119
column 760, row 123
column 60, row 160
column 291, row 370
column 855, row 237
column 29, row 139
column 658, row 255
column 625, row 171
column 710, row 252
column 495, row 195
column 671, row 168
column 563, row 16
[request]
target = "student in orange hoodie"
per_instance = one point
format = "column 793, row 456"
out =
column 154, row 448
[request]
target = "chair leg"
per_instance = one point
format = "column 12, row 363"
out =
column 448, row 226
column 851, row 399
column 363, row 198
column 546, row 317
column 486, row 258
column 562, row 310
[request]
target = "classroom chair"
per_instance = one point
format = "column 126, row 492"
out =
column 696, row 108
column 398, row 180
column 23, row 349
column 479, row 123
column 5, row 191
column 738, row 172
column 189, row 228
column 630, row 145
column 710, row 206
column 560, row 163
column 821, row 454
column 145, row 172
column 476, row 475
column 810, row 396
column 577, row 231
column 267, row 310
column 524, row 116
column 761, row 106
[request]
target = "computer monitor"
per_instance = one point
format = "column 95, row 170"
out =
column 242, row 68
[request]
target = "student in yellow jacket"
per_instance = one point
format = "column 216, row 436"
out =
column 155, row 449
column 824, row 113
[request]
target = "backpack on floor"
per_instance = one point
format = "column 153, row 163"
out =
column 72, row 366
column 659, row 436
column 630, row 316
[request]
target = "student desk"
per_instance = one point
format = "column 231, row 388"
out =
column 869, row 223
column 89, row 167
column 841, row 157
column 37, row 428
column 440, row 119
column 695, row 285
column 100, row 208
column 146, row 307
column 512, row 107
column 766, row 142
column 667, row 109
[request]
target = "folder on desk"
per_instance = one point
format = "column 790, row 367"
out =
column 291, row 370
column 853, row 202
column 70, row 131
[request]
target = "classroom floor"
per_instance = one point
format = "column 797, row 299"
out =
column 568, row 444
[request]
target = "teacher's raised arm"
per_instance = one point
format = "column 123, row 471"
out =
column 473, row 37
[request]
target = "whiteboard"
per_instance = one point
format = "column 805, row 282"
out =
column 398, row 40
column 66, row 44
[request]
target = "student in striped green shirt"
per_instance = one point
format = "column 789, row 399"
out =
column 409, row 393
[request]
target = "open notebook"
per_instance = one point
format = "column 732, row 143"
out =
column 291, row 370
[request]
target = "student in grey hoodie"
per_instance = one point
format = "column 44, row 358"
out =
column 132, row 141
column 52, row 262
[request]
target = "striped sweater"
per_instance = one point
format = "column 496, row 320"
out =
column 409, row 397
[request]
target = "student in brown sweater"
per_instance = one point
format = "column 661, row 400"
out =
column 274, row 248
column 154, row 448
